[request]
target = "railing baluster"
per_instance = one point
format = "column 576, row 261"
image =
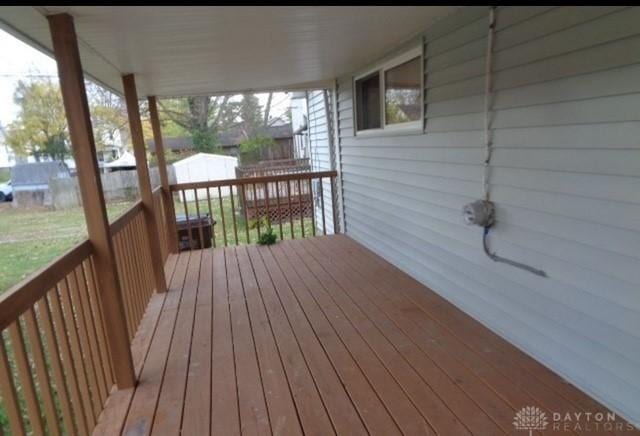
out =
column 334, row 202
column 9, row 393
column 200, row 232
column 81, row 411
column 224, row 227
column 56, row 364
column 256, row 208
column 125, row 288
column 313, row 208
column 186, row 214
column 98, row 322
column 244, row 207
column 293, row 234
column 233, row 215
column 103, row 389
column 72, row 330
column 324, row 224
column 44, row 381
column 266, row 199
column 279, row 210
column 85, row 351
column 300, row 205
column 24, row 376
column 213, row 227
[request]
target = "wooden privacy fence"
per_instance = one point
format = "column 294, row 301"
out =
column 241, row 210
column 55, row 366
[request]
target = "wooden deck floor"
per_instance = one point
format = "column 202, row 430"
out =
column 321, row 336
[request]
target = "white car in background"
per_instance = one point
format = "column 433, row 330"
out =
column 6, row 191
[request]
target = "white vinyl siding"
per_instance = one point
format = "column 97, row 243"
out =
column 319, row 116
column 565, row 178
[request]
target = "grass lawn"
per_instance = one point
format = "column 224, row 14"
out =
column 31, row 238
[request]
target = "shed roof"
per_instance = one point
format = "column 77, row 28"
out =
column 191, row 50
column 37, row 173
column 205, row 157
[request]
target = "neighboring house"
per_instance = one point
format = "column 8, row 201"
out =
column 230, row 140
column 299, row 124
column 203, row 167
column 110, row 153
column 30, row 182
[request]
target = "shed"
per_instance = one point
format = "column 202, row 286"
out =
column 30, row 182
column 203, row 167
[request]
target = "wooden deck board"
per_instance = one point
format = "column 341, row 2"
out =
column 320, row 336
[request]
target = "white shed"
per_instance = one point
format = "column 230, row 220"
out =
column 203, row 167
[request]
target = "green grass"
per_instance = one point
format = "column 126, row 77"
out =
column 31, row 238
column 290, row 229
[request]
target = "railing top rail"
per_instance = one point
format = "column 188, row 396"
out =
column 251, row 180
column 23, row 295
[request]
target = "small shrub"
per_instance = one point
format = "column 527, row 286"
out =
column 268, row 237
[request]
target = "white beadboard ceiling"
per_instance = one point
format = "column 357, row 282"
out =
column 194, row 50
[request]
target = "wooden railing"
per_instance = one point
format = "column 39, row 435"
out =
column 274, row 168
column 55, row 366
column 55, row 370
column 239, row 211
column 133, row 259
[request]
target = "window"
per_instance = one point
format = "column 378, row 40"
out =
column 391, row 95
column 402, row 93
column 368, row 102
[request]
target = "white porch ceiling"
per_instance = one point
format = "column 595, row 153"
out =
column 194, row 50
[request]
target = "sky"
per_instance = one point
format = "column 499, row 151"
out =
column 18, row 60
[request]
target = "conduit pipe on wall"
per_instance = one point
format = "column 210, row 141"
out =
column 482, row 212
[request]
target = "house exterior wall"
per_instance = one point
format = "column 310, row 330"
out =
column 565, row 179
column 320, row 153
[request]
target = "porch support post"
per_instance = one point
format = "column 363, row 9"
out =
column 164, row 178
column 137, row 138
column 65, row 47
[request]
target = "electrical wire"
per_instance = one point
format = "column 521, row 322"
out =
column 488, row 143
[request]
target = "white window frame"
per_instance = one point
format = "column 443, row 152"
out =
column 410, row 126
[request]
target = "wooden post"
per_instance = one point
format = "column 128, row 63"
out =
column 137, row 138
column 65, row 47
column 164, row 178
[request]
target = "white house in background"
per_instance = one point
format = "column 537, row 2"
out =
column 126, row 161
column 204, row 167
